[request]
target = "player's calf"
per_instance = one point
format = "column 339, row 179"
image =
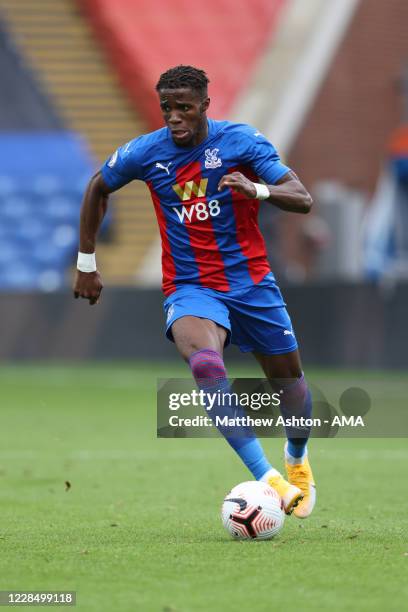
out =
column 209, row 371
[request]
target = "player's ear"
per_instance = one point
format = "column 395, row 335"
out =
column 204, row 105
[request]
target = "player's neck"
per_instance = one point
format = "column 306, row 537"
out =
column 202, row 133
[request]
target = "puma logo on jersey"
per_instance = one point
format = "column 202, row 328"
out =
column 288, row 332
column 191, row 188
column 163, row 167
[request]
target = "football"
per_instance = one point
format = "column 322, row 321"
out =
column 252, row 511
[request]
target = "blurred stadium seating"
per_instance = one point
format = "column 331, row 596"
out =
column 43, row 170
column 65, row 65
column 41, row 184
column 78, row 80
column 225, row 37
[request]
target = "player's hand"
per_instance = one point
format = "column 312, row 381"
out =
column 238, row 182
column 88, row 285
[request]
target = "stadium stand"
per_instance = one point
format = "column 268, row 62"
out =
column 225, row 37
column 56, row 43
column 42, row 173
column 41, row 182
column 22, row 104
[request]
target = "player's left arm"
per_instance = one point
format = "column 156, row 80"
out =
column 288, row 193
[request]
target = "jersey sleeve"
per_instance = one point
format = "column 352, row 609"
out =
column 264, row 159
column 124, row 165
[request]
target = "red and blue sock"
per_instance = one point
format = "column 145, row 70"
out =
column 296, row 401
column 210, row 375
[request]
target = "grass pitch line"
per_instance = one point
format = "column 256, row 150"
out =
column 96, row 455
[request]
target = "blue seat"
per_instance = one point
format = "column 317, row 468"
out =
column 16, row 206
column 19, row 276
column 33, row 230
column 48, row 254
column 8, row 185
column 65, row 236
column 50, row 279
column 46, row 185
column 62, row 208
column 10, row 251
column 8, row 226
column 42, row 180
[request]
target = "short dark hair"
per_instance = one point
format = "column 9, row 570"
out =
column 184, row 76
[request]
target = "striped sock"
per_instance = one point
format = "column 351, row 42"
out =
column 210, row 375
column 296, row 401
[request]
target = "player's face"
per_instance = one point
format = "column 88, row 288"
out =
column 184, row 112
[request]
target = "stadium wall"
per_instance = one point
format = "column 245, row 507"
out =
column 360, row 102
column 337, row 325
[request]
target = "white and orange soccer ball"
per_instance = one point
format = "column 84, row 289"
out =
column 253, row 511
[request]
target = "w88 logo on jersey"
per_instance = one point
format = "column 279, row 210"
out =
column 200, row 211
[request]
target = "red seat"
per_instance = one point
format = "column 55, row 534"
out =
column 144, row 38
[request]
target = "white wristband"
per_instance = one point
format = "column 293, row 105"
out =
column 262, row 191
column 86, row 262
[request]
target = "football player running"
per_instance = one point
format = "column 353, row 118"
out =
column 204, row 179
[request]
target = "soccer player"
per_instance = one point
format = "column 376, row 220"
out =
column 203, row 177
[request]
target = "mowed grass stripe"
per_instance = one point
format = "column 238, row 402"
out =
column 139, row 527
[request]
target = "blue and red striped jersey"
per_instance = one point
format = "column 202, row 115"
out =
column 209, row 238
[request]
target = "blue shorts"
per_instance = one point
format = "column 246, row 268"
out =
column 255, row 319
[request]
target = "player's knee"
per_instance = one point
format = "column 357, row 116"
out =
column 207, row 364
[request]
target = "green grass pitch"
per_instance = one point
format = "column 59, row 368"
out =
column 139, row 527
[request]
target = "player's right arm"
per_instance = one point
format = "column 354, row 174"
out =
column 123, row 166
column 89, row 285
